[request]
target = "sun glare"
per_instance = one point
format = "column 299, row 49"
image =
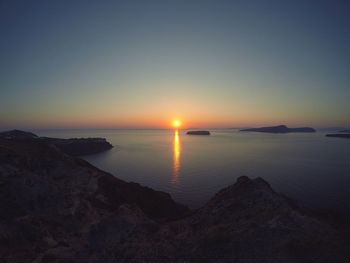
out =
column 176, row 123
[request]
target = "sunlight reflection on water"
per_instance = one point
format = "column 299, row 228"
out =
column 176, row 158
column 311, row 168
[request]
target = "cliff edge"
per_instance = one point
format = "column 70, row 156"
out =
column 59, row 208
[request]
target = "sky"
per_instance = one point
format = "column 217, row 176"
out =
column 140, row 64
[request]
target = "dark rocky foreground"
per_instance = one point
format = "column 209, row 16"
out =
column 74, row 146
column 279, row 129
column 58, row 208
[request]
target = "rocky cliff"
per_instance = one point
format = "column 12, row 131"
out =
column 58, row 208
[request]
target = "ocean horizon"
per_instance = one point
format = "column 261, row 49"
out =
column 310, row 168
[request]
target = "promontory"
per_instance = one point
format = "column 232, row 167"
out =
column 59, row 208
column 73, row 146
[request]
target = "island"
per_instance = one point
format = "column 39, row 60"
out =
column 74, row 146
column 60, row 208
column 79, row 146
column 279, row 129
column 198, row 133
column 339, row 135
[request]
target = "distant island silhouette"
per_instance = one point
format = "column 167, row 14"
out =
column 198, row 133
column 339, row 135
column 279, row 129
column 73, row 146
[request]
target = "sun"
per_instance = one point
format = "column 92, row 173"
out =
column 176, row 123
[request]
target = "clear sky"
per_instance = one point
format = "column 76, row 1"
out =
column 124, row 64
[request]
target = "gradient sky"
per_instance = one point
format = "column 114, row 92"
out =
column 124, row 64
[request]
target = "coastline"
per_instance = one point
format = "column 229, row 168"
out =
column 61, row 207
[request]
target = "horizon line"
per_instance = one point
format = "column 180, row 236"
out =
column 153, row 128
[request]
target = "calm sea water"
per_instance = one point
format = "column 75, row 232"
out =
column 308, row 167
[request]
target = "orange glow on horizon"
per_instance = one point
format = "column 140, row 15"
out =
column 164, row 119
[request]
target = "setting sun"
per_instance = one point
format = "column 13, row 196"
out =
column 176, row 123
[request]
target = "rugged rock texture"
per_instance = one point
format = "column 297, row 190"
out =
column 249, row 222
column 198, row 133
column 339, row 135
column 279, row 129
column 54, row 207
column 58, row 208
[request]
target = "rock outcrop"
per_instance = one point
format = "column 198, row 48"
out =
column 250, row 222
column 279, row 129
column 56, row 208
column 59, row 208
column 198, row 133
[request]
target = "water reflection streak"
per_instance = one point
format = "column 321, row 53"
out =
column 176, row 158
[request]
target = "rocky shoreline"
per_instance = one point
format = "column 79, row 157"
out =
column 59, row 208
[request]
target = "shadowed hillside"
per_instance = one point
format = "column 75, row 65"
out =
column 58, row 208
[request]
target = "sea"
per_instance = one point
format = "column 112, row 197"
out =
column 308, row 167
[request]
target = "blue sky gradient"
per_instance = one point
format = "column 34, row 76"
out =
column 119, row 64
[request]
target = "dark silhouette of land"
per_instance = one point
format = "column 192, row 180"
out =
column 279, row 129
column 198, row 133
column 59, row 208
column 17, row 134
column 339, row 135
column 74, row 146
column 80, row 146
